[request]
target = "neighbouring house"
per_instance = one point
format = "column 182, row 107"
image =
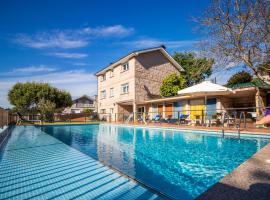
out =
column 82, row 104
column 125, row 85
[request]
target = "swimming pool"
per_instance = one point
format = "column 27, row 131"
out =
column 180, row 164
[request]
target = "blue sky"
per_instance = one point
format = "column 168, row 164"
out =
column 66, row 42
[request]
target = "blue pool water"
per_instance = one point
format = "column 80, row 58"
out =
column 180, row 164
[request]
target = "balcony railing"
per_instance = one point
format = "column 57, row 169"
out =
column 84, row 105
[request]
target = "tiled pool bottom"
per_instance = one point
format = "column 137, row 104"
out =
column 34, row 165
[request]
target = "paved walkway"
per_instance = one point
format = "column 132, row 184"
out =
column 34, row 165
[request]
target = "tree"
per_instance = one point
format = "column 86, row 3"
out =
column 240, row 77
column 26, row 96
column 196, row 69
column 46, row 109
column 171, row 84
column 239, row 31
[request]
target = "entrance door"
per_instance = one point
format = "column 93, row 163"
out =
column 211, row 106
column 196, row 108
column 168, row 110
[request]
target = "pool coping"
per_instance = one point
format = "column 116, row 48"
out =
column 216, row 131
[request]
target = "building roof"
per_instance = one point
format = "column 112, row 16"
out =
column 84, row 96
column 136, row 53
column 258, row 83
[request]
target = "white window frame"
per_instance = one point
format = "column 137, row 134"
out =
column 125, row 66
column 125, row 88
column 112, row 73
column 103, row 77
column 111, row 110
column 103, row 94
column 111, row 92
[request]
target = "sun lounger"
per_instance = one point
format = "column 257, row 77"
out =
column 157, row 118
column 183, row 119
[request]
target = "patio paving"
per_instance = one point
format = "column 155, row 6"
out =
column 34, row 165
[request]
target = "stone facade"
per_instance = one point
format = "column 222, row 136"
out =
column 150, row 70
column 147, row 69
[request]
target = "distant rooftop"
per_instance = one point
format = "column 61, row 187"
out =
column 254, row 83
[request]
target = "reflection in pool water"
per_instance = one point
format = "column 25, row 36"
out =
column 178, row 163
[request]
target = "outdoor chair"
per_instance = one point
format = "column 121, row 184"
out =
column 211, row 120
column 157, row 118
column 183, row 119
column 196, row 121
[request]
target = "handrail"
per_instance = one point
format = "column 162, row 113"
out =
column 129, row 118
column 242, row 116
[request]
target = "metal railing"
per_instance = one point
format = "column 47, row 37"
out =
column 229, row 117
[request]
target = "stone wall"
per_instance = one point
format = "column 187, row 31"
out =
column 150, row 70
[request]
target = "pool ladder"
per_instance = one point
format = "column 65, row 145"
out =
column 237, row 125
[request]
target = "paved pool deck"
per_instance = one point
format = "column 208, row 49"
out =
column 34, row 165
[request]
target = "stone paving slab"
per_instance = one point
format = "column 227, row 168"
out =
column 34, row 165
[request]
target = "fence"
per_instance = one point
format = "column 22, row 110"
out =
column 6, row 118
column 245, row 117
column 230, row 117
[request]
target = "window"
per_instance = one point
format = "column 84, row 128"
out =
column 103, row 94
column 111, row 110
column 102, row 111
column 112, row 73
column 103, row 77
column 125, row 88
column 125, row 66
column 111, row 92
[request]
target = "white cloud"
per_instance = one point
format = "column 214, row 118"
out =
column 80, row 64
column 116, row 30
column 53, row 39
column 34, row 69
column 77, row 82
column 69, row 55
column 70, row 38
column 149, row 42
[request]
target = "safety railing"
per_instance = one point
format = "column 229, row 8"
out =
column 222, row 118
column 229, row 117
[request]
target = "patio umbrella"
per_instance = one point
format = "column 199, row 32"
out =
column 204, row 89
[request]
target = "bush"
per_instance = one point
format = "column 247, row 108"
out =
column 87, row 110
